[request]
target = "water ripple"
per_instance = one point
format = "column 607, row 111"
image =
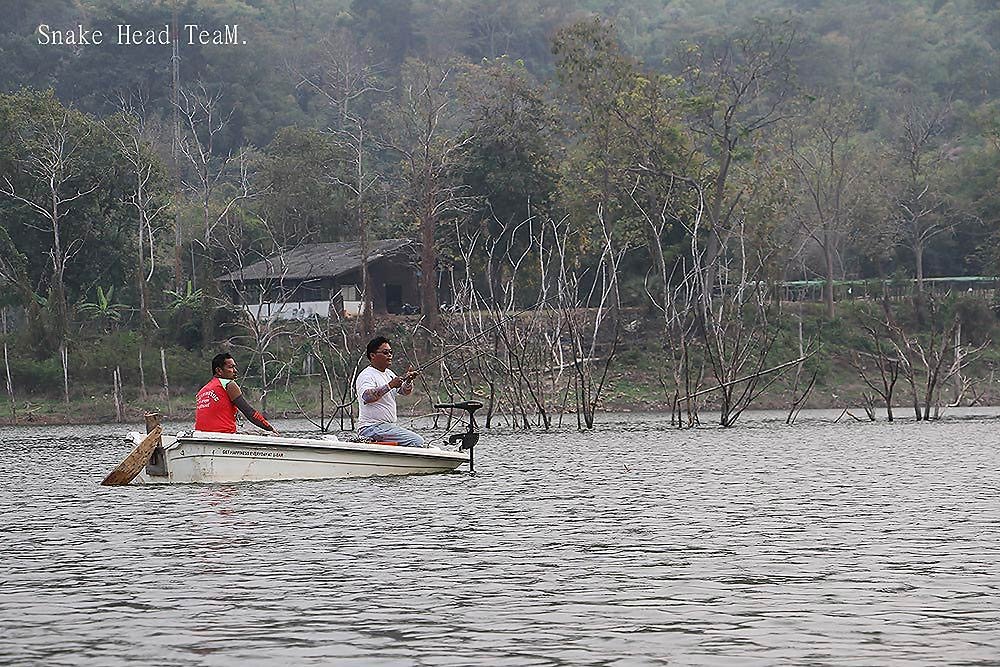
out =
column 634, row 544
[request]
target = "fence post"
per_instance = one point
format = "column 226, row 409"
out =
column 119, row 407
column 166, row 382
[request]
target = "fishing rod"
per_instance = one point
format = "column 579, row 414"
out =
column 479, row 335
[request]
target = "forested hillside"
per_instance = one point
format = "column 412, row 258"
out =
column 655, row 153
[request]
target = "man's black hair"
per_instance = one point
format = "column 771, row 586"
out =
column 374, row 344
column 219, row 361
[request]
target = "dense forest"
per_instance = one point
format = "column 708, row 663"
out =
column 677, row 159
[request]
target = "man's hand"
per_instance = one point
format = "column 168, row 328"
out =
column 406, row 378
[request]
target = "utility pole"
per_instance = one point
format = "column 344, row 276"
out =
column 175, row 73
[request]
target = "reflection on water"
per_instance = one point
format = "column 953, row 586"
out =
column 634, row 544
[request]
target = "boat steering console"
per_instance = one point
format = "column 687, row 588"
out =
column 470, row 438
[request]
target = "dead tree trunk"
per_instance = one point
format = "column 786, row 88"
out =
column 886, row 363
column 6, row 363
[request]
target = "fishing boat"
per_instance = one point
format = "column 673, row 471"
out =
column 200, row 456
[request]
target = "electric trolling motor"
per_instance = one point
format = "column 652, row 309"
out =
column 470, row 438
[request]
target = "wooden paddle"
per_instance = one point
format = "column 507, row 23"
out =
column 134, row 462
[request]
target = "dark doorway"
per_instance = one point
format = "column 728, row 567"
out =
column 393, row 298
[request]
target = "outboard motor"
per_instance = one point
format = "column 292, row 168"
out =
column 470, row 438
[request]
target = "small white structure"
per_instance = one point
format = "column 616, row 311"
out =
column 295, row 310
column 324, row 279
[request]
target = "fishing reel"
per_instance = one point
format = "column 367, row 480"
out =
column 469, row 439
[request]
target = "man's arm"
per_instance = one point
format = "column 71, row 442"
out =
column 404, row 383
column 372, row 394
column 256, row 418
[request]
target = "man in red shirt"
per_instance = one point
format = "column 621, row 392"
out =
column 217, row 402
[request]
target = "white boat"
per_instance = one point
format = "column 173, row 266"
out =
column 201, row 456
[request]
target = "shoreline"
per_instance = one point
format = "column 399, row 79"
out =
column 901, row 413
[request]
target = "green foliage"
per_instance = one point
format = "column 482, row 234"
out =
column 185, row 316
column 62, row 203
column 189, row 299
column 978, row 320
column 509, row 168
column 574, row 116
column 305, row 204
column 36, row 376
column 103, row 309
column 626, row 143
column 94, row 364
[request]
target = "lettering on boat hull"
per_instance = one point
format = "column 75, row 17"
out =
column 253, row 452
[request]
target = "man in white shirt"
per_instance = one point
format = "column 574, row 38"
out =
column 377, row 387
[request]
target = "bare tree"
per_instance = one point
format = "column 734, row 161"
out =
column 348, row 80
column 886, row 361
column 737, row 322
column 430, row 135
column 130, row 134
column 261, row 331
column 6, row 365
column 218, row 180
column 334, row 344
column 921, row 198
column 830, row 165
column 925, row 359
column 472, row 318
column 590, row 304
column 524, row 357
column 749, row 83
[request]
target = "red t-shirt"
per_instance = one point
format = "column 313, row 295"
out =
column 214, row 410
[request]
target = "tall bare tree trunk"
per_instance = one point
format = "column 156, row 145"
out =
column 957, row 364
column 207, row 283
column 6, row 363
column 175, row 59
column 715, row 221
column 828, row 286
column 58, row 289
column 143, row 289
column 367, row 299
column 918, row 252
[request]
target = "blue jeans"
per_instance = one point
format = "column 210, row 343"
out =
column 392, row 433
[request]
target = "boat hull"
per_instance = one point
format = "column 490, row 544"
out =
column 226, row 458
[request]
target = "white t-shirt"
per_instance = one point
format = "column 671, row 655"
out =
column 384, row 409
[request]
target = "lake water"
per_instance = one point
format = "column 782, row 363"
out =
column 634, row 544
